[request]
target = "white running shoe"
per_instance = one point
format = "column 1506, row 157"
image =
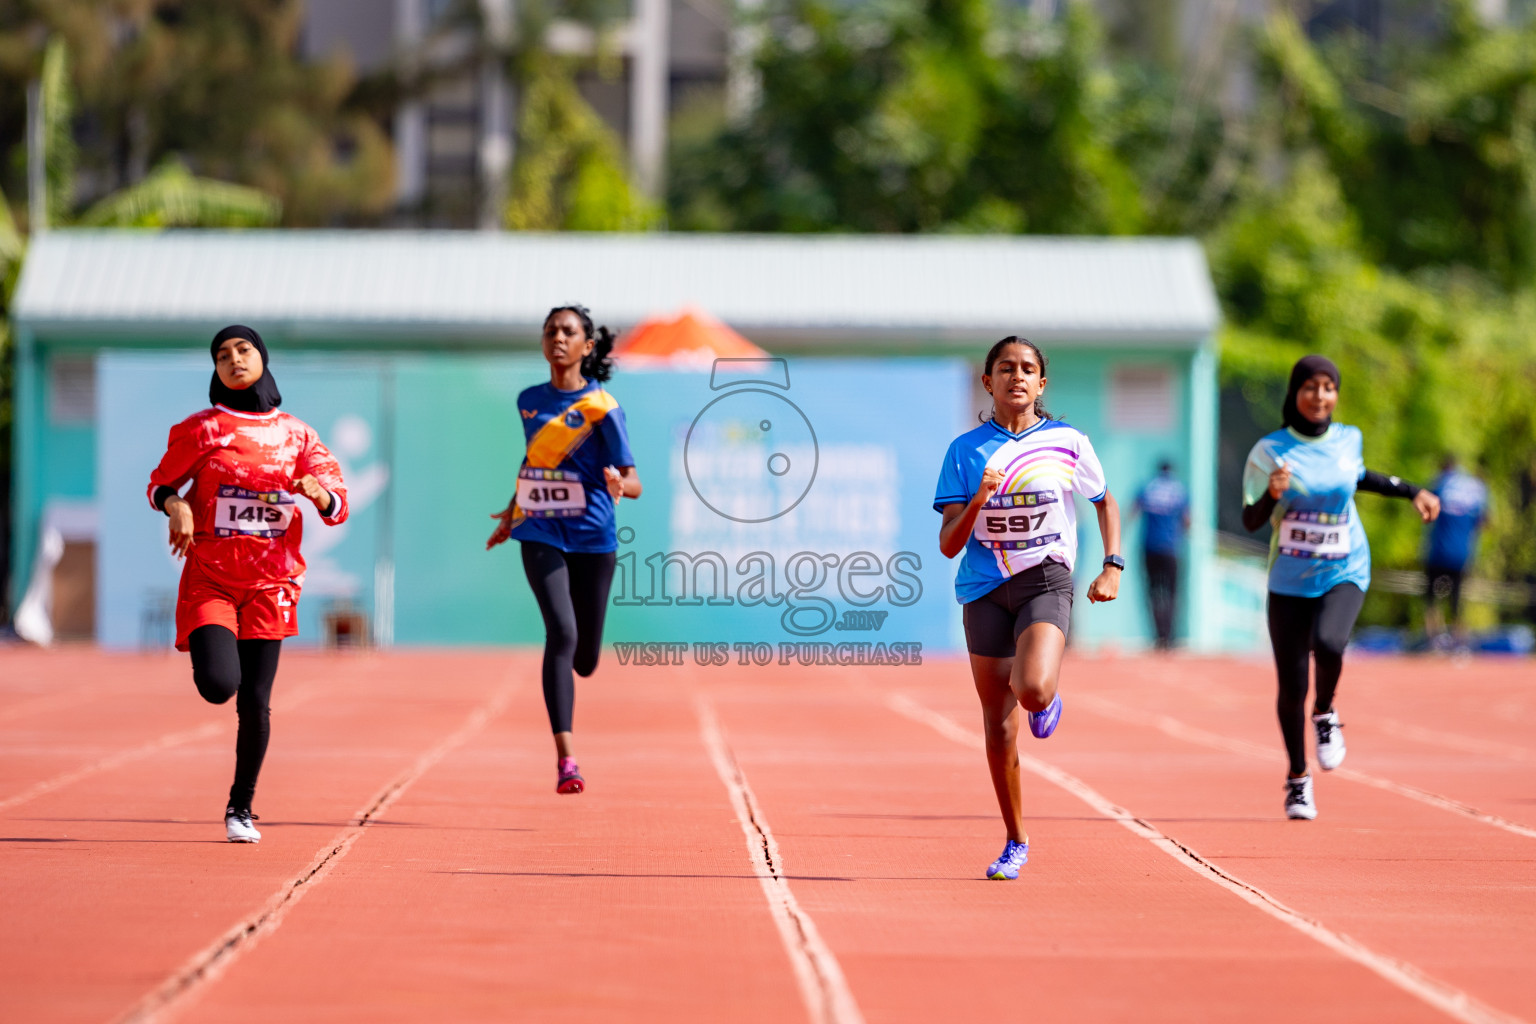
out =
column 1330, row 740
column 1298, row 798
column 238, row 827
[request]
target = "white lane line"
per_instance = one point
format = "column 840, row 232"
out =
column 46, row 702
column 822, row 985
column 1192, row 734
column 193, row 977
column 155, row 746
column 1446, row 998
column 1452, row 741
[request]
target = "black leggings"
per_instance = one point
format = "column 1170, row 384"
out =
column 572, row 590
column 1302, row 626
column 223, row 667
column 1163, row 590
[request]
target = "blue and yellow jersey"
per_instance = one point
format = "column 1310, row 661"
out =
column 562, row 499
column 1318, row 542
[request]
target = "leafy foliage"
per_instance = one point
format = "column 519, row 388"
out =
column 171, row 197
column 1375, row 202
column 570, row 173
column 918, row 115
column 218, row 84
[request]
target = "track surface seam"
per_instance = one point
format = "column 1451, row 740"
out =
column 823, row 988
column 1178, row 730
column 205, row 966
column 1446, row 998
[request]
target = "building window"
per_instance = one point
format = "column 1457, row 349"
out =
column 1141, row 399
column 72, row 390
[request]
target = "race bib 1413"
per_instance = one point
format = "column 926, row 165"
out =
column 242, row 513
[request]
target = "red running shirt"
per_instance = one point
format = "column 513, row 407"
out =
column 246, row 522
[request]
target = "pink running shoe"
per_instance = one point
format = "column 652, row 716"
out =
column 570, row 780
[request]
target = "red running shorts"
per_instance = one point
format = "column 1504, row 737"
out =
column 252, row 611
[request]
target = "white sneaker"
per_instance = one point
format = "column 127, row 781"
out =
column 1298, row 798
column 1330, row 740
column 238, row 827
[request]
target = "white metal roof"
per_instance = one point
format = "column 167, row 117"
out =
column 491, row 285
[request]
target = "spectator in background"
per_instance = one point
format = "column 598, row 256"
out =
column 1452, row 540
column 1165, row 504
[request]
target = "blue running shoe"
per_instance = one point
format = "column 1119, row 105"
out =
column 1006, row 868
column 1043, row 723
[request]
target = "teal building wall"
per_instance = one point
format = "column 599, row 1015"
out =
column 443, row 426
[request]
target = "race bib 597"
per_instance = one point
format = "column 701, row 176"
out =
column 1015, row 522
column 242, row 513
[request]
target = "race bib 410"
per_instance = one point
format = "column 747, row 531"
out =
column 1315, row 535
column 243, row 513
column 550, row 493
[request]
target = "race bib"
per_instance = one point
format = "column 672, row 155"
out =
column 1315, row 535
column 1015, row 522
column 242, row 513
column 550, row 493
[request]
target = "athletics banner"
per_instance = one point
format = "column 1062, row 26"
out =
column 786, row 513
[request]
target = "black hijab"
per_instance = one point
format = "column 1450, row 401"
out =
column 261, row 396
column 1305, row 369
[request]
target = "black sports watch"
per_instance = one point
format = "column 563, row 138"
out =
column 1114, row 560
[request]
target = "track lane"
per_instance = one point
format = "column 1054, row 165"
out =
column 1101, row 925
column 79, row 710
column 489, row 897
column 1414, row 882
column 109, row 887
column 1453, row 728
column 883, row 825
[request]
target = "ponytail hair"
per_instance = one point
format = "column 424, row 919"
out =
column 598, row 365
column 997, row 350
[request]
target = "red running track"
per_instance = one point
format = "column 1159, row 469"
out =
column 759, row 844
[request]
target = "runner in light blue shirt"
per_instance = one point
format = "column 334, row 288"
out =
column 1302, row 480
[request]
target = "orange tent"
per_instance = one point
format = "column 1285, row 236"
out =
column 693, row 337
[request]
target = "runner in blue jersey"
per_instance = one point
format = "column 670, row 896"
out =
column 1302, row 480
column 1005, row 492
column 1164, row 504
column 1452, row 541
column 577, row 467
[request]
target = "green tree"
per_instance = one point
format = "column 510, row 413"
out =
column 1401, row 278
column 919, row 115
column 216, row 84
column 569, row 174
column 171, row 196
column 1434, row 145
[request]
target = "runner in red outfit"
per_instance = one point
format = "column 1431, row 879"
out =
column 239, row 528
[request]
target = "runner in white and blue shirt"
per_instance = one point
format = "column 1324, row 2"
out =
column 1032, row 518
column 1301, row 480
column 1006, row 493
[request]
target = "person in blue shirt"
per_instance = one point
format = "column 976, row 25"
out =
column 1302, row 480
column 1006, row 494
column 1164, row 505
column 577, row 467
column 1452, row 542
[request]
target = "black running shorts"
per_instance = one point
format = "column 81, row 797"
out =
column 1042, row 593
